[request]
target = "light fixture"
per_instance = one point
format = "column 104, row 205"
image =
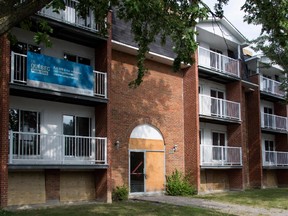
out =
column 117, row 144
column 175, row 147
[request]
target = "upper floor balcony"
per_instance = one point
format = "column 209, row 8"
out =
column 218, row 108
column 271, row 86
column 56, row 150
column 275, row 159
column 220, row 156
column 58, row 75
column 71, row 17
column 218, row 63
column 274, row 122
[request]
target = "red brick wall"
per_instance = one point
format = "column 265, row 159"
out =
column 52, row 184
column 234, row 131
column 235, row 179
column 280, row 108
column 282, row 177
column 4, row 117
column 157, row 101
column 191, row 123
column 254, row 136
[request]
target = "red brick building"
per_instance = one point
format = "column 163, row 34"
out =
column 72, row 129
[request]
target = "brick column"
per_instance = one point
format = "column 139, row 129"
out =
column 4, row 117
column 103, row 55
column 191, row 123
column 52, row 185
column 254, row 136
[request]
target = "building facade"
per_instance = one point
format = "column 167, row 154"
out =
column 72, row 129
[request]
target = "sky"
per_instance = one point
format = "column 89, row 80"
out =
column 233, row 13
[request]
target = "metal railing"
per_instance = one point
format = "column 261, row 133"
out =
column 37, row 148
column 274, row 122
column 219, row 108
column 275, row 158
column 211, row 155
column 218, row 62
column 271, row 86
column 19, row 74
column 71, row 17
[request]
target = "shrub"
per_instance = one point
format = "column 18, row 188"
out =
column 120, row 193
column 179, row 185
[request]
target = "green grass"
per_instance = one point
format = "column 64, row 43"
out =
column 266, row 198
column 120, row 208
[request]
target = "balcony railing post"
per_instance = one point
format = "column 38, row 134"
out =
column 12, row 67
column 222, row 151
column 10, row 147
column 105, row 151
column 276, row 158
column 105, row 84
column 240, row 150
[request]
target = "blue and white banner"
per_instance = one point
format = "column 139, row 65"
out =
column 59, row 74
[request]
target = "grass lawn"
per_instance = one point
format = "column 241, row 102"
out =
column 121, row 208
column 267, row 198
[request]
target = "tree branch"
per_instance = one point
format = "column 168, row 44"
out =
column 18, row 13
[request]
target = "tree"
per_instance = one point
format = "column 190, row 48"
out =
column 174, row 19
column 149, row 19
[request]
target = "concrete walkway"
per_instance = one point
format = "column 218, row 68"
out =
column 221, row 207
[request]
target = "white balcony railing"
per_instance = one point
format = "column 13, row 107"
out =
column 211, row 155
column 275, row 158
column 19, row 74
column 271, row 86
column 219, row 108
column 36, row 148
column 70, row 16
column 218, row 62
column 274, row 122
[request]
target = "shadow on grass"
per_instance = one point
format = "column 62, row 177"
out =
column 266, row 198
column 121, row 208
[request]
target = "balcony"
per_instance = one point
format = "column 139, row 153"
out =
column 271, row 87
column 218, row 62
column 220, row 156
column 47, row 149
column 70, row 16
column 217, row 108
column 274, row 122
column 19, row 75
column 275, row 159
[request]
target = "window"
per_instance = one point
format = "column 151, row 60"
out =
column 218, row 141
column 268, row 117
column 26, row 125
column 78, row 59
column 77, row 136
column 20, row 60
column 217, row 105
column 269, row 151
column 215, row 59
column 23, row 48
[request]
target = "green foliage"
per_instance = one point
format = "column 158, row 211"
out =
column 179, row 185
column 120, row 193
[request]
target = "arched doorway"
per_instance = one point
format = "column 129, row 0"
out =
column 146, row 160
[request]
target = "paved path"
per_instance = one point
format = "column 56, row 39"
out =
column 223, row 207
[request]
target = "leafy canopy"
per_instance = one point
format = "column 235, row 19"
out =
column 174, row 19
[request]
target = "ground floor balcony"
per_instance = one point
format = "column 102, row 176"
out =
column 271, row 87
column 218, row 63
column 220, row 156
column 59, row 75
column 275, row 159
column 218, row 108
column 274, row 122
column 50, row 149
